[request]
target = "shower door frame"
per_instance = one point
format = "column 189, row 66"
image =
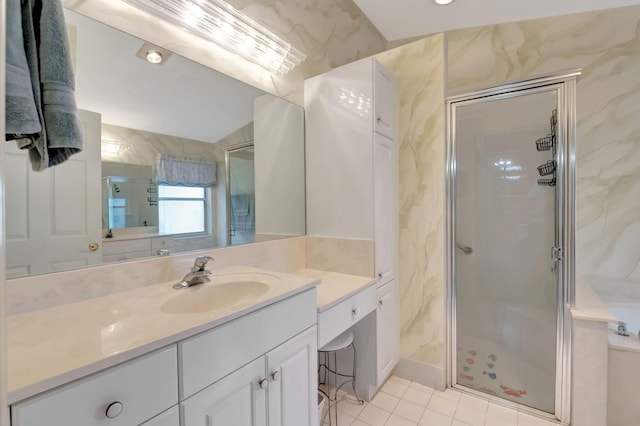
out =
column 565, row 84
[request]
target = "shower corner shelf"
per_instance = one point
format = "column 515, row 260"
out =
column 546, row 143
column 547, row 182
column 547, row 168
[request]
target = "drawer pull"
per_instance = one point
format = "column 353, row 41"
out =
column 275, row 376
column 114, row 409
column 354, row 311
column 263, row 383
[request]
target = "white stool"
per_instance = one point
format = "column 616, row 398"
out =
column 326, row 372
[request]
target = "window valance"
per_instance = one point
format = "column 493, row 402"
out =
column 182, row 171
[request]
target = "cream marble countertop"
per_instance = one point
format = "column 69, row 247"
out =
column 334, row 286
column 54, row 346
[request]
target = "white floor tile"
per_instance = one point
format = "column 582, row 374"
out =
column 408, row 410
column 467, row 414
column 399, row 421
column 343, row 419
column 442, row 404
column 421, row 387
column 351, row 408
column 497, row 412
column 357, row 422
column 432, row 418
column 417, row 396
column 458, row 423
column 525, row 419
column 385, row 401
column 395, row 388
column 474, row 402
column 373, row 415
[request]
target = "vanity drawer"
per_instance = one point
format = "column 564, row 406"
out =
column 144, row 387
column 210, row 356
column 117, row 247
column 341, row 317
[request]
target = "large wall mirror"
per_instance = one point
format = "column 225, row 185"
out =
column 178, row 157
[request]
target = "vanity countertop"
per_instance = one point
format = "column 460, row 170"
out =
column 335, row 287
column 54, row 346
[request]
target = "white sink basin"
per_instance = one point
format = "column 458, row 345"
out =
column 223, row 292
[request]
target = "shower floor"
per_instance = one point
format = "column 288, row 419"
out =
column 494, row 369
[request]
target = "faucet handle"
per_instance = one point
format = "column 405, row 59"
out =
column 201, row 262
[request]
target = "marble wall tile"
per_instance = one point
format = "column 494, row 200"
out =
column 606, row 45
column 45, row 291
column 347, row 256
column 329, row 32
column 419, row 69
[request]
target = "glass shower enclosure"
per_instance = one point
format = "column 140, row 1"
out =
column 507, row 211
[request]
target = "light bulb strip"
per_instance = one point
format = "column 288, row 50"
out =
column 217, row 21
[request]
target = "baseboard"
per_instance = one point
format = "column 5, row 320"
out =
column 419, row 372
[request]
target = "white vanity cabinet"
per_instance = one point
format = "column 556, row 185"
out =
column 352, row 179
column 251, row 378
column 125, row 395
column 387, row 336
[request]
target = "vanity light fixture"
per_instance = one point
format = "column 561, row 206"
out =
column 219, row 22
column 443, row 2
column 153, row 54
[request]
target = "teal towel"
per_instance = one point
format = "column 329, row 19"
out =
column 46, row 46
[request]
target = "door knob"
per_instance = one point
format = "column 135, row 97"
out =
column 94, row 246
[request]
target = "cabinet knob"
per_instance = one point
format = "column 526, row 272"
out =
column 94, row 246
column 263, row 383
column 380, row 302
column 114, row 409
column 275, row 375
column 379, row 119
column 379, row 274
column 354, row 311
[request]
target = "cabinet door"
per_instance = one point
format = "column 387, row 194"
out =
column 387, row 330
column 236, row 400
column 384, row 95
column 293, row 381
column 383, row 206
column 168, row 418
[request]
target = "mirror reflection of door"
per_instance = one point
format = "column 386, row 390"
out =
column 241, row 215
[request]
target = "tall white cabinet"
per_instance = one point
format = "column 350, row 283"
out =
column 351, row 165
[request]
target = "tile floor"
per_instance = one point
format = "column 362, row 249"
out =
column 404, row 403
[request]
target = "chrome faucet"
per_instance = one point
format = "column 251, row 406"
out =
column 622, row 329
column 197, row 275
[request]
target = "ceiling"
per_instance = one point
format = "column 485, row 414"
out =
column 401, row 19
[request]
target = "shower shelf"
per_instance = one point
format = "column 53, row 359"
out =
column 546, row 143
column 547, row 168
column 547, row 182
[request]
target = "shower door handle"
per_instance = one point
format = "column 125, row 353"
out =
column 464, row 249
column 557, row 254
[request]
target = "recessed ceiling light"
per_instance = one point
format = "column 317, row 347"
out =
column 154, row 56
column 443, row 1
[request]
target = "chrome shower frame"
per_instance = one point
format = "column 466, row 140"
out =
column 565, row 85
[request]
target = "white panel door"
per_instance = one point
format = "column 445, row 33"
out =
column 383, row 206
column 236, row 400
column 293, row 381
column 53, row 216
column 387, row 331
column 168, row 418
